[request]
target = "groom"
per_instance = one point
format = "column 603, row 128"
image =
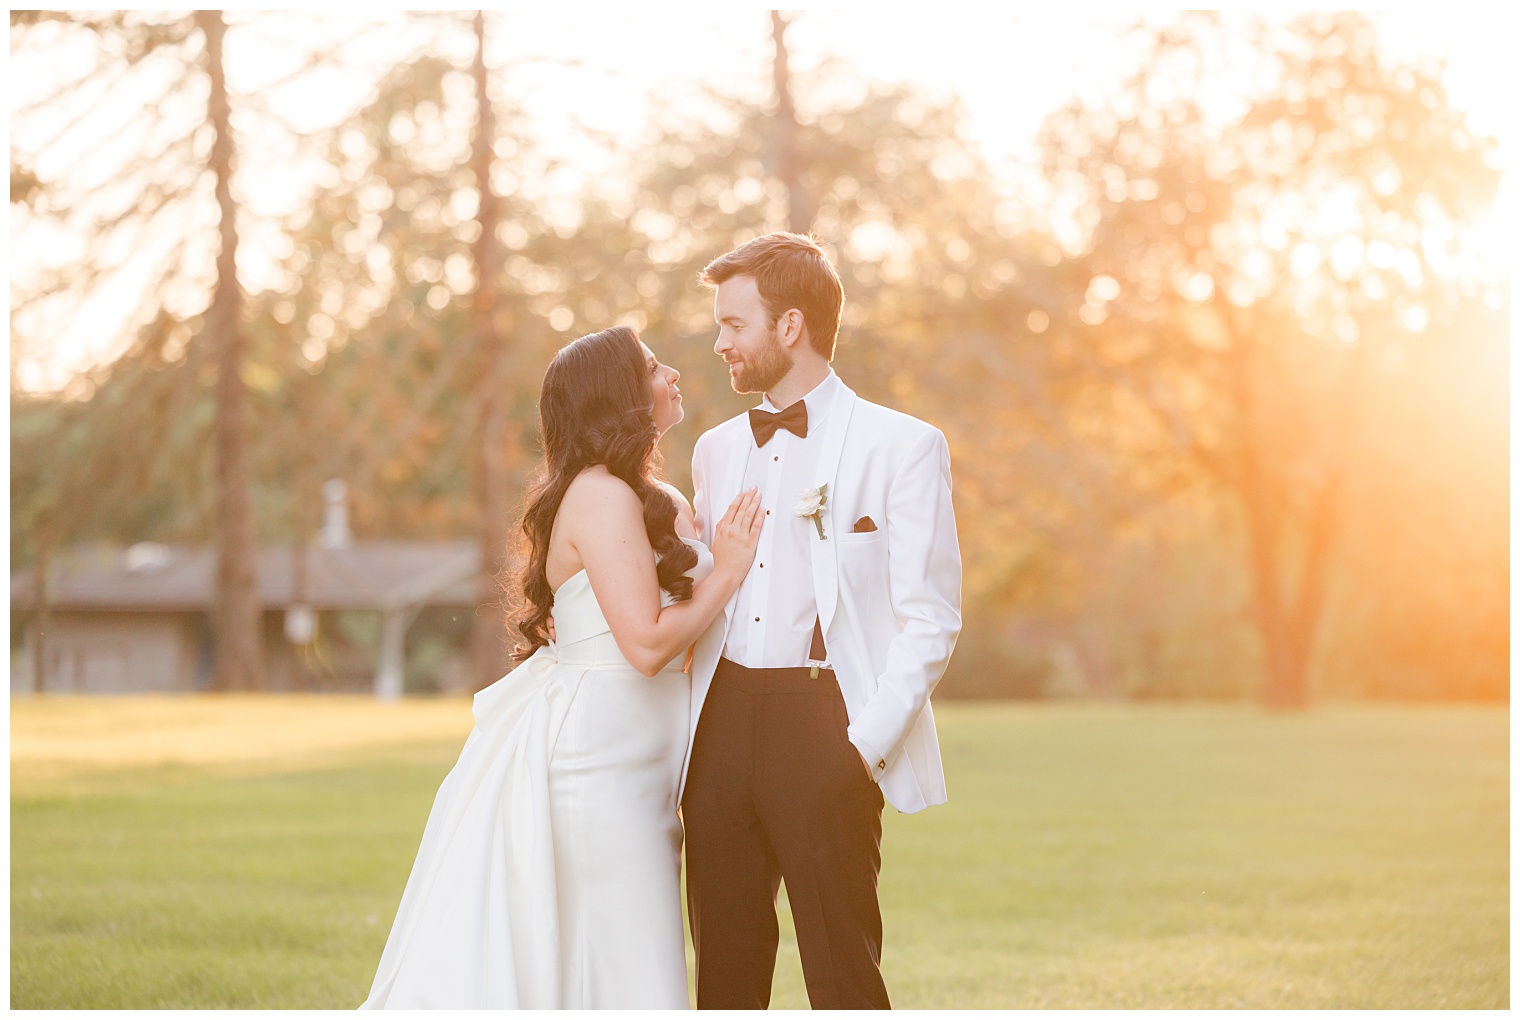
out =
column 810, row 707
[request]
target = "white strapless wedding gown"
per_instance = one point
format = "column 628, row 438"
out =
column 549, row 871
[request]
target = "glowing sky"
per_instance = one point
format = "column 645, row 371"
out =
column 1010, row 69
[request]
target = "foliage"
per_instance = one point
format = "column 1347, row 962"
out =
column 78, row 464
column 1223, row 404
column 937, row 291
column 1254, row 255
column 368, row 346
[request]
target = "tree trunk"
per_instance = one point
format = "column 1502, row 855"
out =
column 788, row 159
column 1286, row 684
column 40, row 618
column 239, row 654
column 1289, row 628
column 1322, row 528
column 488, row 637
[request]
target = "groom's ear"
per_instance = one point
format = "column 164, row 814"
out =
column 791, row 328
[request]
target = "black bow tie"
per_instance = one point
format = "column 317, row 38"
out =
column 764, row 424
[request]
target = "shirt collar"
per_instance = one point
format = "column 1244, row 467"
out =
column 819, row 400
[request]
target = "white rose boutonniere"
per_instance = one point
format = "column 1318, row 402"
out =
column 811, row 504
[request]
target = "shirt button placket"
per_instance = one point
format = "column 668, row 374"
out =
column 777, row 446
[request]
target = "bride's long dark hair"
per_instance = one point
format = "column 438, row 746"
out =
column 596, row 408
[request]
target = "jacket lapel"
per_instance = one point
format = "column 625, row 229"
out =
column 825, row 560
column 736, row 463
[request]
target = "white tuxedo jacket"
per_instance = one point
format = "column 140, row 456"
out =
column 889, row 600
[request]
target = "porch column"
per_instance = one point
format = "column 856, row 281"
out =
column 390, row 671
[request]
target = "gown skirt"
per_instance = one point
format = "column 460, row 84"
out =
column 549, row 870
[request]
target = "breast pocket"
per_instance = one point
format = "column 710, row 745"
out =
column 874, row 530
column 865, row 575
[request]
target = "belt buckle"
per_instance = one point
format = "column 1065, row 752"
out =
column 814, row 665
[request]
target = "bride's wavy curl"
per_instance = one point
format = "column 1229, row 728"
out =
column 595, row 408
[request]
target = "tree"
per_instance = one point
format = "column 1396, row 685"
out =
column 786, row 163
column 239, row 655
column 1247, row 257
column 169, row 180
column 492, row 473
column 159, row 93
column 392, row 331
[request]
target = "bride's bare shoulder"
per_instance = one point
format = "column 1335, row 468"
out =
column 599, row 495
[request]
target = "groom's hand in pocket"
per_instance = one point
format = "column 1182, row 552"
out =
column 865, row 765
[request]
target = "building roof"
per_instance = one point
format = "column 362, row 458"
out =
column 149, row 577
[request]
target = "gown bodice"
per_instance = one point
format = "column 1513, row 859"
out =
column 584, row 637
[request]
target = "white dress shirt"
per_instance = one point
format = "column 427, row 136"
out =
column 776, row 608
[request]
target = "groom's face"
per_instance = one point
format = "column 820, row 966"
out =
column 747, row 337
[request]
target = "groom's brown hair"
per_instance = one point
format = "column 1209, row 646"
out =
column 790, row 271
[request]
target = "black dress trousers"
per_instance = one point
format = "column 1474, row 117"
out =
column 777, row 791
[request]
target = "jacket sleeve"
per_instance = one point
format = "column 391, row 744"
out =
column 924, row 564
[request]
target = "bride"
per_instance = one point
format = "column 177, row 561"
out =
column 548, row 875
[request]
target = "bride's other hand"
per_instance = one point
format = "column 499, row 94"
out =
column 737, row 535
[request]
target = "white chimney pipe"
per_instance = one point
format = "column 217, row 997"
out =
column 335, row 533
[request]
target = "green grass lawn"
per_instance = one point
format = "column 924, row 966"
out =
column 1090, row 856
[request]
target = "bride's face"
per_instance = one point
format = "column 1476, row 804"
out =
column 663, row 391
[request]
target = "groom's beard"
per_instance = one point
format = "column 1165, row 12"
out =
column 763, row 369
